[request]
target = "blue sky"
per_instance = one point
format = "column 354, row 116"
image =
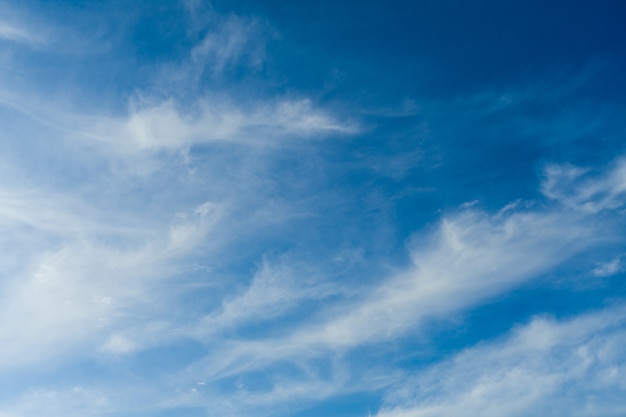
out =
column 269, row 208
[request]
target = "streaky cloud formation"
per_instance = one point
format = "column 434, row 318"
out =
column 546, row 366
column 252, row 209
column 162, row 127
column 470, row 258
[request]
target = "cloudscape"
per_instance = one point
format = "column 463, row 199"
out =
column 312, row 208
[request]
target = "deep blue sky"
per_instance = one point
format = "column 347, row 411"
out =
column 270, row 208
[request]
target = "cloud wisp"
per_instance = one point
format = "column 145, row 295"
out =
column 17, row 34
column 579, row 188
column 162, row 126
column 554, row 367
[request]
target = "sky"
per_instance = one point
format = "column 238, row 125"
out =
column 312, row 208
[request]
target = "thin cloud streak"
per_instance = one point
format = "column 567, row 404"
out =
column 17, row 34
column 163, row 127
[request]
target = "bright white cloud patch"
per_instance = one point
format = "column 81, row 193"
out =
column 71, row 287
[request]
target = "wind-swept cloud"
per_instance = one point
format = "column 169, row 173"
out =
column 235, row 40
column 607, row 269
column 585, row 190
column 88, row 271
column 162, row 126
column 23, row 26
column 275, row 290
column 74, row 401
column 14, row 33
column 571, row 367
column 196, row 218
column 17, row 26
column 153, row 125
column 469, row 258
column 75, row 288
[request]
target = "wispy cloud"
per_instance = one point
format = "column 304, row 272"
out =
column 235, row 40
column 469, row 258
column 73, row 289
column 585, row 190
column 162, row 126
column 275, row 290
column 546, row 366
column 196, row 238
column 607, row 269
column 14, row 33
column 89, row 262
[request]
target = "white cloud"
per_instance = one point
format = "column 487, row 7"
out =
column 274, row 291
column 232, row 40
column 73, row 401
column 284, row 394
column 119, row 344
column 18, row 34
column 573, row 367
column 471, row 257
column 174, row 123
column 74, row 289
column 85, row 268
column 580, row 189
column 468, row 259
column 30, row 27
column 609, row 268
column 85, row 275
column 163, row 126
column 151, row 126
